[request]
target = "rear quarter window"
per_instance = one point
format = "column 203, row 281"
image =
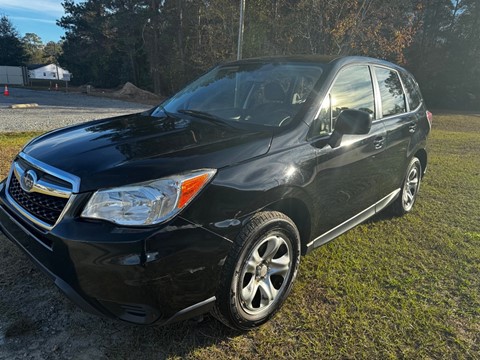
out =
column 412, row 90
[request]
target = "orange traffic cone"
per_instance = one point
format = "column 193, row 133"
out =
column 6, row 92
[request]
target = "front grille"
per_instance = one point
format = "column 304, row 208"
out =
column 44, row 207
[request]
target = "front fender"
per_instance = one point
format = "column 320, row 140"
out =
column 239, row 191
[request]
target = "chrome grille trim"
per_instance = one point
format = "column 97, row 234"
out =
column 72, row 179
column 43, row 187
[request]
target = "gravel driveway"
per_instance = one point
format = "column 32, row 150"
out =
column 57, row 109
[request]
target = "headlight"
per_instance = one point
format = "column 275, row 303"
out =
column 147, row 203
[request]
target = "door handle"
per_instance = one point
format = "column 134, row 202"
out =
column 412, row 127
column 379, row 142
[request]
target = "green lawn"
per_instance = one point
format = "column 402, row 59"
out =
column 390, row 288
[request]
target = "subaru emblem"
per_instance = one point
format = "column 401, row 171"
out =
column 28, row 180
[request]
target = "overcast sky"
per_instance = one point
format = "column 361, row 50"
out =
column 35, row 16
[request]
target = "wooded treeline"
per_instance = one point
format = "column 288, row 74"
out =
column 30, row 49
column 162, row 44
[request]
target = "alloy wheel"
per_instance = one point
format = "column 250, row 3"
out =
column 411, row 186
column 264, row 273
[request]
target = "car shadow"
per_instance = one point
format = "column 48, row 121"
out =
column 176, row 340
column 381, row 216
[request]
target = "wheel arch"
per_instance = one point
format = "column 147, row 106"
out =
column 298, row 211
column 422, row 156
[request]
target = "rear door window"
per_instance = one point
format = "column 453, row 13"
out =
column 391, row 92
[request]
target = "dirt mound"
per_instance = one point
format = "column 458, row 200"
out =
column 131, row 92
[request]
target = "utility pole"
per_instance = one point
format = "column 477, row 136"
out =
column 56, row 60
column 240, row 30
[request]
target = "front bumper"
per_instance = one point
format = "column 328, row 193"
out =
column 144, row 276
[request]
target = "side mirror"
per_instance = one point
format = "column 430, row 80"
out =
column 350, row 122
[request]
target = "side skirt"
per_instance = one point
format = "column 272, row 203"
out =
column 352, row 222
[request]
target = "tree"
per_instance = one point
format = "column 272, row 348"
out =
column 162, row 44
column 127, row 22
column 51, row 52
column 89, row 46
column 104, row 42
column 444, row 55
column 12, row 52
column 33, row 46
column 461, row 74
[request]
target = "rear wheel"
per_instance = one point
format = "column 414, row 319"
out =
column 259, row 272
column 411, row 185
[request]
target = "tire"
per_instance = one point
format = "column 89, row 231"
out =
column 410, row 187
column 259, row 271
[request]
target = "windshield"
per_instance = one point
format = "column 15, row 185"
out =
column 258, row 93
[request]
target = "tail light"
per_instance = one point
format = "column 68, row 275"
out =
column 429, row 118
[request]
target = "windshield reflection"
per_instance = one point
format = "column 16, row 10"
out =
column 257, row 93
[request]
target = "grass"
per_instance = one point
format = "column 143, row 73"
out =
column 10, row 145
column 390, row 288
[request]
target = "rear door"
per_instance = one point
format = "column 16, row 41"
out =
column 400, row 125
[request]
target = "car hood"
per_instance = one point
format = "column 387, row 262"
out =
column 136, row 148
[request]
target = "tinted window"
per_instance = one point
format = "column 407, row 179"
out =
column 413, row 92
column 352, row 89
column 391, row 92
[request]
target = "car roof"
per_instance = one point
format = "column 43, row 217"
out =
column 319, row 59
column 333, row 60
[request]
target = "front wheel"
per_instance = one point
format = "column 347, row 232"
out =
column 259, row 272
column 411, row 185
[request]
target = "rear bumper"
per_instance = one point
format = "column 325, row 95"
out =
column 142, row 276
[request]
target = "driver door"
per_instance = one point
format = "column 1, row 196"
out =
column 346, row 176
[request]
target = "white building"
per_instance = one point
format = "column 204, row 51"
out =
column 48, row 72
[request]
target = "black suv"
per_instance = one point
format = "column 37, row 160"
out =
column 206, row 202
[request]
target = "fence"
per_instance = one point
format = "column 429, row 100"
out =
column 13, row 75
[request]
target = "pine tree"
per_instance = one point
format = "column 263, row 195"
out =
column 12, row 52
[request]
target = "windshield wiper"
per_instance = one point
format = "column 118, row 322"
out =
column 205, row 115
